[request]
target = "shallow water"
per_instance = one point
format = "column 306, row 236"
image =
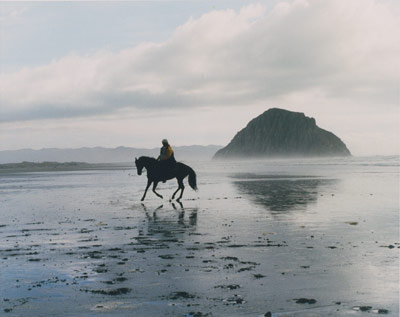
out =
column 311, row 237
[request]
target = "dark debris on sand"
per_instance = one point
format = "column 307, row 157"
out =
column 305, row 301
column 112, row 292
column 179, row 295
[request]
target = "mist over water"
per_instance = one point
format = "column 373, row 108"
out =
column 292, row 237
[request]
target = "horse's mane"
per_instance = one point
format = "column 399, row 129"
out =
column 147, row 158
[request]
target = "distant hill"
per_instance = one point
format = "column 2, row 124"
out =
column 104, row 155
column 56, row 166
column 282, row 133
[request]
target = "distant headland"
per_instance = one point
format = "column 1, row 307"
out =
column 283, row 133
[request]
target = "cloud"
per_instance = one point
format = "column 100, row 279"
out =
column 344, row 50
column 10, row 15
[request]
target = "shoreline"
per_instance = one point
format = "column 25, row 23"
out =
column 30, row 167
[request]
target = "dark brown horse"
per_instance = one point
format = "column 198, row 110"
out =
column 155, row 175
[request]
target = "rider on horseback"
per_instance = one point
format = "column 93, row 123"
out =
column 167, row 159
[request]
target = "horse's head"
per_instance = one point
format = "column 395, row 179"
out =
column 139, row 165
column 146, row 162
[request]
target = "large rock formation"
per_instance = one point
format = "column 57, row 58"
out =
column 282, row 133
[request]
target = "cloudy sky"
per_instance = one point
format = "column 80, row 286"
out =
column 131, row 73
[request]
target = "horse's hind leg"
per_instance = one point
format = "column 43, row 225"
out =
column 179, row 187
column 154, row 190
column 182, row 187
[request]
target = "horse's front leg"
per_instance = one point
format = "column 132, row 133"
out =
column 154, row 189
column 147, row 187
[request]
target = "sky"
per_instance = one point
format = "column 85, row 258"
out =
column 131, row 73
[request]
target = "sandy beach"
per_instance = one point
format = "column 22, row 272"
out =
column 265, row 238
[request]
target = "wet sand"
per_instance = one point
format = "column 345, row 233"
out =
column 284, row 240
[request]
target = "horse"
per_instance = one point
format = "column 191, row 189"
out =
column 154, row 175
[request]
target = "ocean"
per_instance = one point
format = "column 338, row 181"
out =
column 279, row 237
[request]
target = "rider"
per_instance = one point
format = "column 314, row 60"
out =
column 167, row 159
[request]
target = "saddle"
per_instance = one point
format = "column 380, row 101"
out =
column 168, row 169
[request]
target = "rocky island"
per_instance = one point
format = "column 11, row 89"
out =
column 282, row 133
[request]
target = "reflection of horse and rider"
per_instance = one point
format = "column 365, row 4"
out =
column 163, row 168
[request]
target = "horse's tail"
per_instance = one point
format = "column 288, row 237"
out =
column 192, row 179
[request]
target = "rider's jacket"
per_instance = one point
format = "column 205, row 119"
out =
column 166, row 152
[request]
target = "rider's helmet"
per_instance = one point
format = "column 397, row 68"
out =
column 165, row 142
